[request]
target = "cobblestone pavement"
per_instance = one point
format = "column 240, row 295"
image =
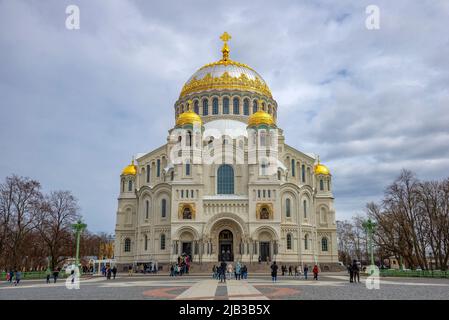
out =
column 202, row 287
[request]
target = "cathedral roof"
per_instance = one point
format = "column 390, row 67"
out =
column 321, row 169
column 226, row 74
column 130, row 169
column 189, row 117
column 260, row 117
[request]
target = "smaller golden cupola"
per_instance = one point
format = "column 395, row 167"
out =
column 260, row 117
column 189, row 117
column 130, row 169
column 321, row 169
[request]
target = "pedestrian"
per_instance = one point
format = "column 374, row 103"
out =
column 244, row 272
column 8, row 276
column 290, row 271
column 356, row 271
column 351, row 273
column 18, row 277
column 11, row 275
column 55, row 275
column 214, row 272
column 109, row 273
column 315, row 272
column 130, row 270
column 48, row 274
column 274, row 271
column 306, row 270
column 223, row 271
column 230, row 271
column 114, row 271
column 238, row 270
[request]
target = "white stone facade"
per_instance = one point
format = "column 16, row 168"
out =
column 166, row 209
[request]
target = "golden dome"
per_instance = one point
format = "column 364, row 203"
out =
column 226, row 74
column 321, row 169
column 130, row 169
column 189, row 117
column 260, row 117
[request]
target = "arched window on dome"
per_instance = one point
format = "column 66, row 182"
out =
column 321, row 185
column 263, row 138
column 225, row 179
column 246, row 107
column 254, row 106
column 196, row 107
column 289, row 241
column 205, row 107
column 182, row 108
column 270, row 109
column 264, row 107
column 236, row 105
column 215, row 106
column 130, row 185
column 288, row 208
column 225, row 105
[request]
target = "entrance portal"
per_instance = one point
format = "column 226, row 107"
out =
column 187, row 249
column 225, row 245
column 264, row 250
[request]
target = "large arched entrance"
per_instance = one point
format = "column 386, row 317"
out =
column 225, row 246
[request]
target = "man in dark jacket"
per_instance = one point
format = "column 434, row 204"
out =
column 223, row 271
column 274, row 271
column 351, row 273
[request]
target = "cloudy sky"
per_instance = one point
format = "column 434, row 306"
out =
column 77, row 104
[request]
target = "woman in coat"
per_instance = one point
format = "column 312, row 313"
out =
column 315, row 272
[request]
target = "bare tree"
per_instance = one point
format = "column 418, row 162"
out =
column 59, row 211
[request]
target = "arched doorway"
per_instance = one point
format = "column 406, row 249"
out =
column 225, row 245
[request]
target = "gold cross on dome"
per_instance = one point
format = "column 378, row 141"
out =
column 225, row 37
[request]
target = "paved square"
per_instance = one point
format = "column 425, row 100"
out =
column 202, row 287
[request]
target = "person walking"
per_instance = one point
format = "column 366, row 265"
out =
column 274, row 271
column 306, row 270
column 356, row 271
column 351, row 273
column 244, row 272
column 230, row 271
column 238, row 271
column 55, row 275
column 114, row 272
column 290, row 271
column 18, row 277
column 315, row 272
column 108, row 273
column 223, row 271
column 48, row 275
column 130, row 270
column 11, row 275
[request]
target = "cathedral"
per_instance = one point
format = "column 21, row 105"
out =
column 226, row 186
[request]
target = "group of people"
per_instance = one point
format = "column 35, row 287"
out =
column 182, row 266
column 274, row 271
column 15, row 275
column 107, row 271
column 227, row 271
column 354, row 272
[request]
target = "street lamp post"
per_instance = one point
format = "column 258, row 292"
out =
column 369, row 227
column 78, row 227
